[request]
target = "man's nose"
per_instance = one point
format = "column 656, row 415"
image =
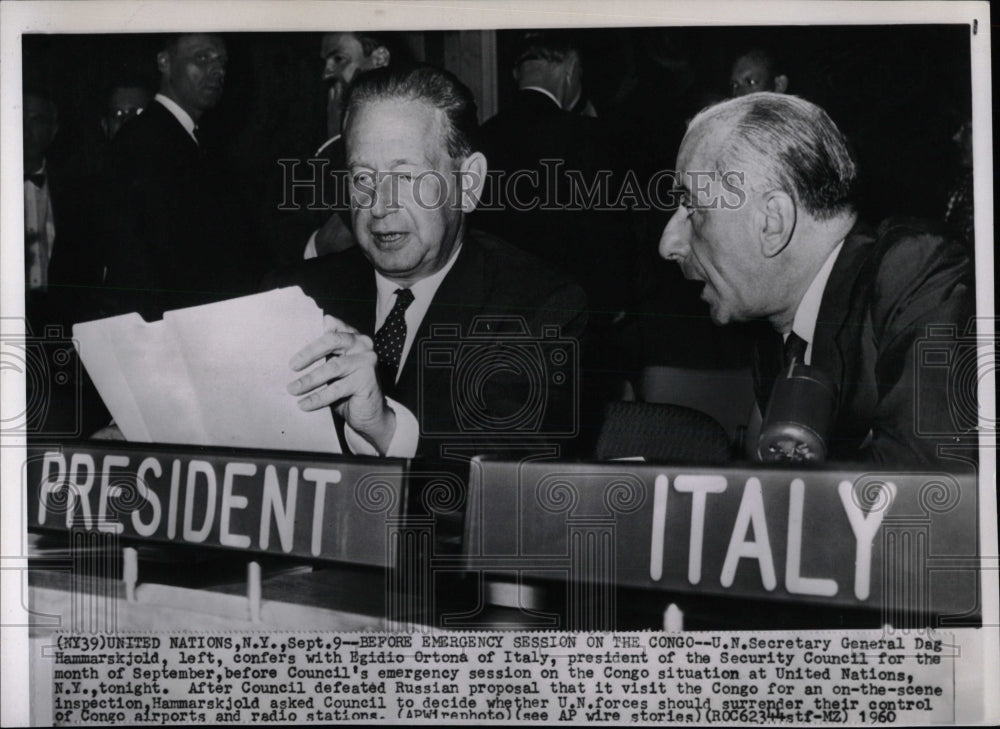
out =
column 675, row 241
column 384, row 197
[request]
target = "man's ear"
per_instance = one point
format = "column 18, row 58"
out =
column 569, row 65
column 381, row 57
column 471, row 178
column 163, row 62
column 778, row 222
column 571, row 81
column 781, row 83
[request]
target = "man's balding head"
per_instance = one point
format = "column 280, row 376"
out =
column 757, row 248
column 782, row 142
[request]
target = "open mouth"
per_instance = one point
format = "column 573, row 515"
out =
column 388, row 238
column 690, row 274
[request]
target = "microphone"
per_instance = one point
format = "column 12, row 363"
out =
column 799, row 417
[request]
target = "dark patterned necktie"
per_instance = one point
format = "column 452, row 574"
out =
column 771, row 363
column 391, row 337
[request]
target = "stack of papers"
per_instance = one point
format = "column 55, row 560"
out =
column 210, row 375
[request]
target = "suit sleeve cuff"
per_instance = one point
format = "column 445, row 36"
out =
column 310, row 251
column 404, row 439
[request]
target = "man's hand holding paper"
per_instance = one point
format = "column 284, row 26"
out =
column 347, row 381
column 209, row 375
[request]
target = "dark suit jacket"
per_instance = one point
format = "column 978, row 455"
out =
column 886, row 288
column 178, row 235
column 74, row 407
column 76, row 267
column 303, row 193
column 593, row 247
column 490, row 279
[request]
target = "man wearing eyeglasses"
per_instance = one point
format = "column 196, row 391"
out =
column 124, row 104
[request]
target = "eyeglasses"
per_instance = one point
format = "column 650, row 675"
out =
column 126, row 114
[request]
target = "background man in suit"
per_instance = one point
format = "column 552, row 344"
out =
column 344, row 55
column 178, row 234
column 537, row 134
column 40, row 124
column 313, row 217
column 416, row 175
column 125, row 102
column 63, row 265
column 62, row 269
column 786, row 247
column 543, row 157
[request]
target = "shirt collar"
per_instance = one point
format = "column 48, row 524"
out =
column 182, row 116
column 543, row 91
column 808, row 312
column 424, row 289
column 327, row 143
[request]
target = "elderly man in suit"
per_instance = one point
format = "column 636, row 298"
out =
column 418, row 269
column 176, row 230
column 766, row 222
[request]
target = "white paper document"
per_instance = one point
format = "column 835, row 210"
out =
column 210, row 375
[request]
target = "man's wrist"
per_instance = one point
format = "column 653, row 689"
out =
column 379, row 433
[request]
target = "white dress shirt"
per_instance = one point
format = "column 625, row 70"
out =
column 807, row 313
column 405, row 439
column 182, row 116
column 804, row 325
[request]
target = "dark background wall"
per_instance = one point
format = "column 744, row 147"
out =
column 898, row 92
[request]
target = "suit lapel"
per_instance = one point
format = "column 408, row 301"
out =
column 837, row 342
column 173, row 131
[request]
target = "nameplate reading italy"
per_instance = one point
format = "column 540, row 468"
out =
column 899, row 540
column 311, row 506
